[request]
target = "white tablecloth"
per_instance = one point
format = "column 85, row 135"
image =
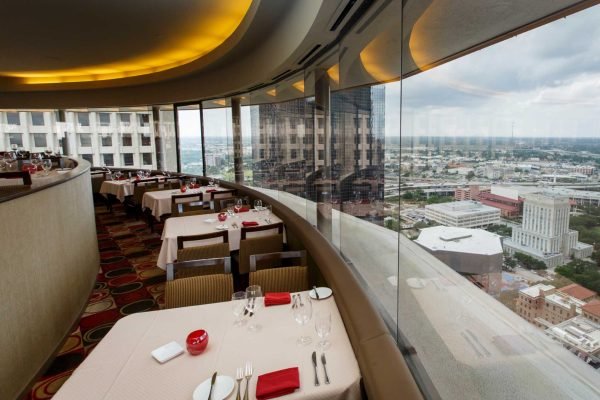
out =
column 159, row 202
column 119, row 189
column 199, row 224
column 121, row 366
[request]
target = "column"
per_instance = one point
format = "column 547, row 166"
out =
column 158, row 148
column 236, row 122
column 324, row 182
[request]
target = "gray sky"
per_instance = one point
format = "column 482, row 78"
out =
column 545, row 82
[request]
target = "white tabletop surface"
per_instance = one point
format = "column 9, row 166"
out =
column 200, row 224
column 121, row 367
column 159, row 202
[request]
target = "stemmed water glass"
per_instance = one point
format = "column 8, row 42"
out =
column 238, row 305
column 211, row 182
column 302, row 314
column 193, row 183
column 238, row 206
column 257, row 204
column 47, row 166
column 323, row 328
column 230, row 209
column 36, row 160
column 268, row 209
column 48, row 152
column 118, row 175
column 253, row 295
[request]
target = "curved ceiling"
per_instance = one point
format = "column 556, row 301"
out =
column 127, row 38
column 103, row 53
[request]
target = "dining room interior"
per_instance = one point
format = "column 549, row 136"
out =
column 200, row 200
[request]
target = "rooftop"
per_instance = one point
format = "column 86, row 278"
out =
column 534, row 291
column 577, row 291
column 579, row 332
column 462, row 208
column 593, row 307
column 565, row 301
column 463, row 240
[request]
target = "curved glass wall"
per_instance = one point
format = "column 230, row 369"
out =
column 421, row 184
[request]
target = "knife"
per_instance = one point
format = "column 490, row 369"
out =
column 314, row 360
column 247, row 306
column 316, row 293
column 324, row 361
column 212, row 383
column 252, row 306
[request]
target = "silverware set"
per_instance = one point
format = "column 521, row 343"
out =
column 297, row 301
column 234, row 225
column 315, row 364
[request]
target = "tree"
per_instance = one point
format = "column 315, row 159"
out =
column 470, row 175
column 583, row 272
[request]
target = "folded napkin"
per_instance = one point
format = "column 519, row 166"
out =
column 277, row 298
column 243, row 209
column 277, row 383
column 249, row 223
column 210, row 190
column 195, row 186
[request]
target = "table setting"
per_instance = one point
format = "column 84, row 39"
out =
column 213, row 353
column 159, row 201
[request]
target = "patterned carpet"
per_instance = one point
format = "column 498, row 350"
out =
column 128, row 282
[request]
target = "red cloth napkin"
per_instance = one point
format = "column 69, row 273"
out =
column 250, row 223
column 277, row 298
column 211, row 190
column 277, row 383
column 196, row 186
column 243, row 209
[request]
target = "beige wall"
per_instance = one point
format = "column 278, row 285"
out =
column 49, row 261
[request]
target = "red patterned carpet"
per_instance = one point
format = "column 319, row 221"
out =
column 128, row 282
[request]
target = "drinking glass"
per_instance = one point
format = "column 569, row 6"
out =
column 147, row 173
column 48, row 152
column 323, row 328
column 193, row 184
column 238, row 205
column 211, row 182
column 230, row 209
column 47, row 166
column 268, row 209
column 118, row 175
column 253, row 295
column 257, row 204
column 216, row 182
column 36, row 160
column 302, row 314
column 140, row 174
column 238, row 305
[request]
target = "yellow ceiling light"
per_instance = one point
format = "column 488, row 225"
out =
column 381, row 58
column 423, row 35
column 217, row 23
column 221, row 102
column 299, row 85
column 272, row 92
column 334, row 73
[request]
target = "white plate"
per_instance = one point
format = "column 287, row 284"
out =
column 416, row 283
column 324, row 292
column 210, row 220
column 223, row 387
column 221, row 227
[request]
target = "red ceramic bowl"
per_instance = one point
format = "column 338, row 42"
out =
column 183, row 189
column 197, row 341
column 222, row 217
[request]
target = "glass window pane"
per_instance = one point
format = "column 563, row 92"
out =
column 85, row 139
column 37, row 118
column 83, row 119
column 12, row 118
column 39, row 140
column 106, row 140
column 104, row 119
column 126, row 140
column 16, row 139
column 108, row 160
column 128, row 159
column 190, row 139
column 219, row 141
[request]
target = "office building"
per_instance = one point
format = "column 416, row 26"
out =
column 545, row 233
column 462, row 214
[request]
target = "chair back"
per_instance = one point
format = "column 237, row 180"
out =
column 24, row 175
column 212, row 245
column 197, row 290
column 202, row 239
column 222, row 194
column 261, row 230
column 140, row 187
column 278, row 278
column 258, row 245
column 193, row 202
column 222, row 263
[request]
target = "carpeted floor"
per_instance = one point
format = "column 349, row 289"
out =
column 128, row 282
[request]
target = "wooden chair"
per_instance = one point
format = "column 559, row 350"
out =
column 251, row 244
column 221, row 194
column 209, row 245
column 274, row 277
column 139, row 188
column 196, row 290
column 191, row 201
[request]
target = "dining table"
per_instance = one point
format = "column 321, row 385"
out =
column 159, row 201
column 208, row 223
column 121, row 365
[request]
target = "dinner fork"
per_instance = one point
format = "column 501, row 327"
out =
column 239, row 377
column 248, row 375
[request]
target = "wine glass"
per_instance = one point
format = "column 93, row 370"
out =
column 36, row 160
column 193, row 183
column 302, row 314
column 47, row 166
column 211, row 182
column 253, row 295
column 147, row 173
column 257, row 204
column 238, row 305
column 48, row 152
column 216, row 182
column 268, row 209
column 230, row 209
column 140, row 174
column 323, row 328
column 118, row 175
column 238, row 205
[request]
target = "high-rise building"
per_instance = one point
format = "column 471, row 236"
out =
column 545, row 233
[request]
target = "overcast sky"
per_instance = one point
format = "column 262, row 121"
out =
column 545, row 82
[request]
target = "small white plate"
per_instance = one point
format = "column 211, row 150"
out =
column 210, row 220
column 221, row 227
column 324, row 292
column 223, row 387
